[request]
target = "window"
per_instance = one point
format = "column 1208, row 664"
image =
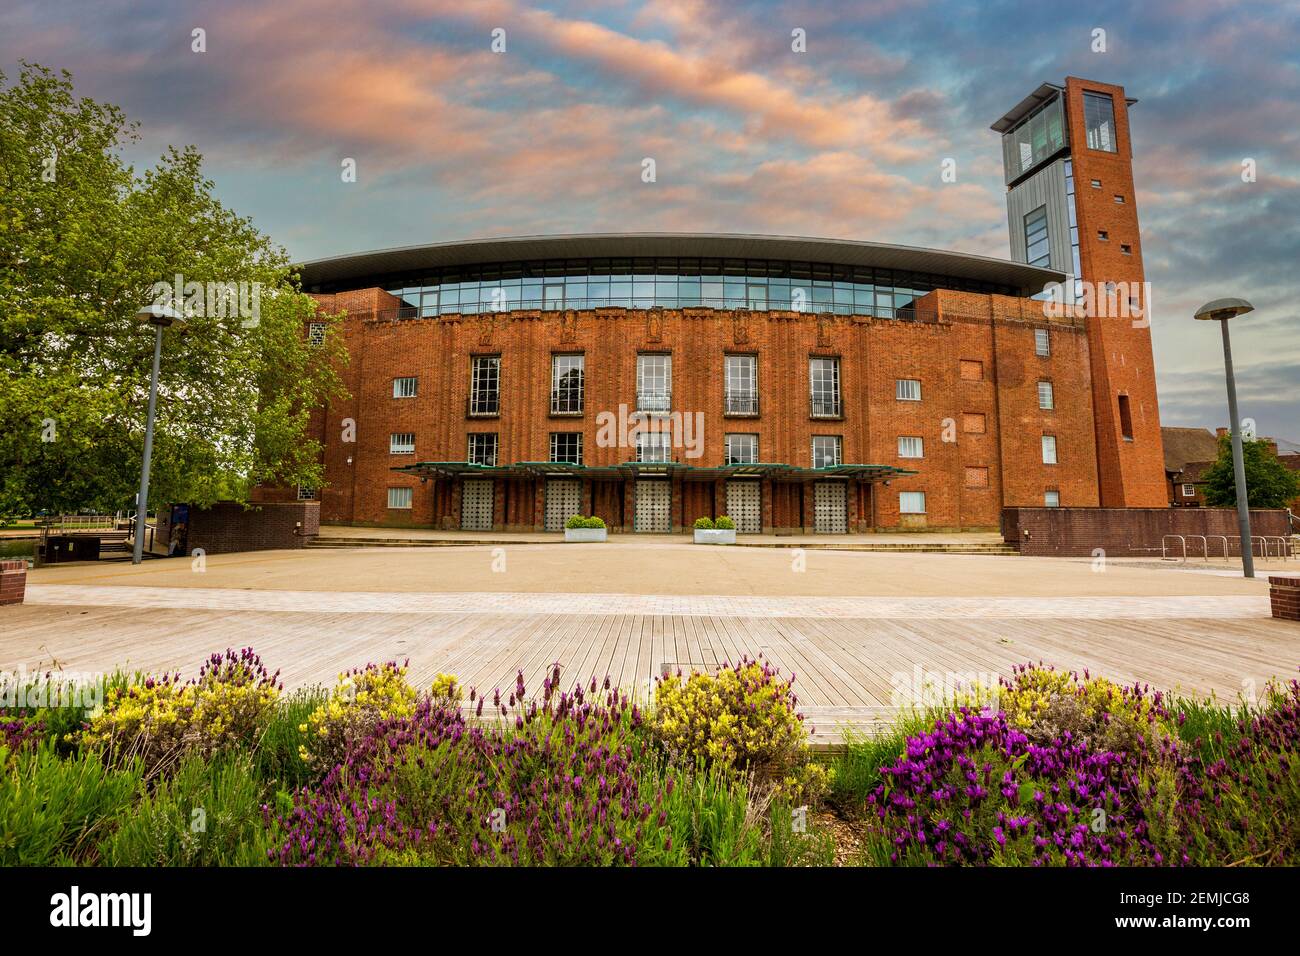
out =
column 1099, row 121
column 977, row 476
column 654, row 383
column 741, row 385
column 653, row 446
column 972, row 370
column 742, row 449
column 911, row 447
column 567, row 372
column 825, row 451
column 911, row 502
column 974, row 423
column 1119, row 199
column 1042, row 342
column 824, row 377
column 1052, row 499
column 1189, row 491
column 485, row 386
column 315, row 334
column 1126, row 249
column 1125, row 418
column 401, row 443
column 482, row 449
column 309, row 494
column 907, row 390
column 566, row 447
column 1045, row 396
column 1096, row 184
column 1037, row 252
column 1049, row 449
column 405, row 387
column 1103, row 235
column 399, row 497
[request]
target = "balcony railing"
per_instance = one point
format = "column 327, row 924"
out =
column 657, row 401
column 484, row 405
column 906, row 313
column 566, row 403
column 826, row 406
column 741, row 403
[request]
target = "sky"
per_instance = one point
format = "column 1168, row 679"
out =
column 846, row 139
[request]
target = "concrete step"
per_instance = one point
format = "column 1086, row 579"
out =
column 830, row 544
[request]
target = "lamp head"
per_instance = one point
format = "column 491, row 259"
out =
column 163, row 315
column 1224, row 309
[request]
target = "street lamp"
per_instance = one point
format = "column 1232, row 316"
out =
column 160, row 317
column 1221, row 310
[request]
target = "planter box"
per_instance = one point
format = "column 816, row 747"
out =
column 585, row 534
column 715, row 535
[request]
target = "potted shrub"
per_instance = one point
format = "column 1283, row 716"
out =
column 708, row 531
column 579, row 528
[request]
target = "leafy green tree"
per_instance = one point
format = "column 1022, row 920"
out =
column 84, row 241
column 1269, row 483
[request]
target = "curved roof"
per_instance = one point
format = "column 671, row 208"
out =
column 342, row 269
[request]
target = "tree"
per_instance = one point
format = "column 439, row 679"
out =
column 1269, row 483
column 85, row 241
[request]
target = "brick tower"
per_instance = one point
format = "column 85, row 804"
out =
column 1067, row 157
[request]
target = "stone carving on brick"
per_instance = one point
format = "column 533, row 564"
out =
column 654, row 324
column 487, row 326
column 824, row 322
column 740, row 320
column 569, row 325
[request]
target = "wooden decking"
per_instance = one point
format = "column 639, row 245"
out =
column 854, row 666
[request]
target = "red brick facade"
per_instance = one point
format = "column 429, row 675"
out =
column 1131, row 467
column 13, row 582
column 228, row 526
column 979, row 415
column 1132, row 532
column 1284, row 597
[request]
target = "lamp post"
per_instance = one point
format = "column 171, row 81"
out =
column 160, row 317
column 1221, row 310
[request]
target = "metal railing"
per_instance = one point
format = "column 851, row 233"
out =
column 1264, row 546
column 741, row 403
column 566, row 402
column 827, row 407
column 654, row 401
column 904, row 314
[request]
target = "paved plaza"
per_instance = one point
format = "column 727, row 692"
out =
column 864, row 632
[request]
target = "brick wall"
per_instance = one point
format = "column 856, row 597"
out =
column 13, row 582
column 1284, row 596
column 1127, row 532
column 1131, row 471
column 228, row 526
column 993, row 332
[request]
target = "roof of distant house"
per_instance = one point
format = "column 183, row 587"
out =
column 1183, row 445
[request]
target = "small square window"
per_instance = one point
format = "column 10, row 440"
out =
column 401, row 443
column 1189, row 491
column 406, row 387
column 399, row 498
column 911, row 447
column 911, row 502
column 1042, row 342
column 1052, row 499
column 482, row 449
column 741, row 449
column 1096, row 184
column 825, row 451
column 907, row 390
column 1126, row 249
column 1103, row 235
column 1119, row 199
column 309, row 494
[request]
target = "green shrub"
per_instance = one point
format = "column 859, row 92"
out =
column 576, row 521
column 278, row 758
column 54, row 809
column 744, row 717
column 704, row 524
column 209, row 813
column 361, row 699
column 594, row 522
column 724, row 523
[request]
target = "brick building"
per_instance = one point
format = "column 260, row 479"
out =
column 821, row 385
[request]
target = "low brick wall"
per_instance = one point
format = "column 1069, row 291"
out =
column 13, row 582
column 1127, row 532
column 1284, row 596
column 228, row 526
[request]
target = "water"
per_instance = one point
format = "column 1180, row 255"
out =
column 19, row 548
